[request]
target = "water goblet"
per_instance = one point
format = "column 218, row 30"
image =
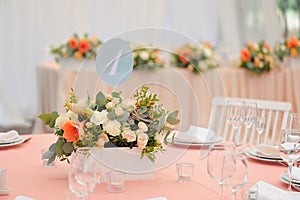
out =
column 220, row 164
column 250, row 119
column 260, row 126
column 84, row 173
column 235, row 115
column 289, row 149
column 240, row 176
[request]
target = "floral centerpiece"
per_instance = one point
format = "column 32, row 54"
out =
column 196, row 58
column 77, row 47
column 147, row 58
column 289, row 47
column 141, row 123
column 257, row 57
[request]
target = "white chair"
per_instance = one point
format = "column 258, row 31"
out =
column 276, row 114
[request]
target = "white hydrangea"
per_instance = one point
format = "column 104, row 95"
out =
column 142, row 140
column 119, row 111
column 112, row 127
column 143, row 126
column 159, row 138
column 130, row 136
column 89, row 125
column 109, row 105
column 115, row 101
column 99, row 117
column 72, row 115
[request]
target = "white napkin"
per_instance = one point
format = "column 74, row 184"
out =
column 296, row 173
column 195, row 134
column 267, row 191
column 23, row 198
column 267, row 150
column 157, row 198
column 8, row 136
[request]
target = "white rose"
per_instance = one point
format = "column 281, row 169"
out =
column 129, row 136
column 61, row 120
column 139, row 131
column 115, row 101
column 142, row 140
column 89, row 125
column 119, row 111
column 109, row 105
column 144, row 55
column 99, row 117
column 143, row 126
column 112, row 127
column 72, row 115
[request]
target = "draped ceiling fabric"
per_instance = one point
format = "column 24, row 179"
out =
column 29, row 27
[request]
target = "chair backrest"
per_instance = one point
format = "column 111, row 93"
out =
column 276, row 114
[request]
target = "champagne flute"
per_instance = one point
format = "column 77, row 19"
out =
column 240, row 176
column 289, row 149
column 84, row 173
column 235, row 115
column 220, row 162
column 260, row 126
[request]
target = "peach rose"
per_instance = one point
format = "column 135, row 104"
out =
column 245, row 55
column 73, row 43
column 292, row 42
column 78, row 55
column 84, row 46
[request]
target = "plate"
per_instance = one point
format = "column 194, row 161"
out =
column 17, row 139
column 184, row 143
column 13, row 143
column 252, row 153
column 285, row 178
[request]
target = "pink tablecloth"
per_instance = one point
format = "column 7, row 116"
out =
column 26, row 176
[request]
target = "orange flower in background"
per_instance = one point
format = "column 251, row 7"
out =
column 78, row 55
column 251, row 46
column 207, row 44
column 70, row 131
column 292, row 42
column 183, row 59
column 73, row 43
column 267, row 46
column 256, row 61
column 294, row 52
column 84, row 46
column 245, row 55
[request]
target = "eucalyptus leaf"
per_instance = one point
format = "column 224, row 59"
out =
column 48, row 155
column 115, row 94
column 51, row 160
column 142, row 109
column 101, row 99
column 68, row 148
column 52, row 147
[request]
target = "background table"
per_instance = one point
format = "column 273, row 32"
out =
column 26, row 176
column 177, row 88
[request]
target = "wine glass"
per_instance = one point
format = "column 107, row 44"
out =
column 289, row 149
column 260, row 126
column 250, row 119
column 84, row 173
column 240, row 176
column 235, row 115
column 294, row 121
column 220, row 162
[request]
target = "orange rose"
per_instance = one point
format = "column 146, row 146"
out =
column 183, row 59
column 78, row 55
column 294, row 52
column 245, row 55
column 70, row 131
column 292, row 42
column 73, row 43
column 266, row 46
column 84, row 46
column 207, row 44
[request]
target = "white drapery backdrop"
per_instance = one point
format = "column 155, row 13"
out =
column 28, row 27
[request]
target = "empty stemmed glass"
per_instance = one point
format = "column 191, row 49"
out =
column 84, row 173
column 240, row 176
column 220, row 163
column 289, row 149
column 260, row 126
column 235, row 115
column 250, row 119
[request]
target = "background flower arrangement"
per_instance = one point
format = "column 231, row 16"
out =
column 147, row 58
column 289, row 47
column 196, row 58
column 110, row 120
column 77, row 47
column 257, row 57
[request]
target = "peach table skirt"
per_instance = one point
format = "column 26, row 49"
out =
column 179, row 89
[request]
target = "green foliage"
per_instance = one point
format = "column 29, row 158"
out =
column 49, row 119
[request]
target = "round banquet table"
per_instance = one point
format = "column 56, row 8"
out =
column 27, row 177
